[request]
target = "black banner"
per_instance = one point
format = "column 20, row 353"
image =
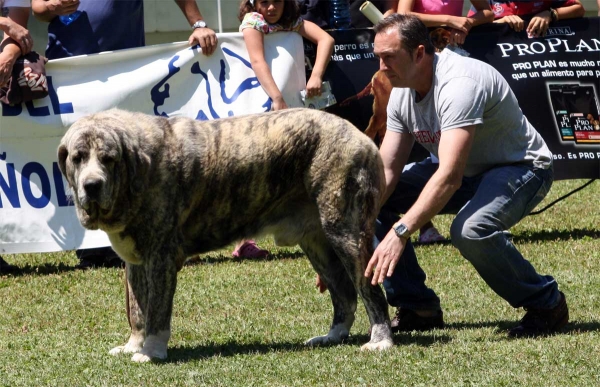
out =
column 555, row 78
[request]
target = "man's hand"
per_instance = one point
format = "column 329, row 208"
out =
column 206, row 38
column 386, row 257
column 20, row 35
column 62, row 7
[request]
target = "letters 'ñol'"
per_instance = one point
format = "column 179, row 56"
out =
column 10, row 187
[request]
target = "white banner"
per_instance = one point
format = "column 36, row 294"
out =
column 36, row 214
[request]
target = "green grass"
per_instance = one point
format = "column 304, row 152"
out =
column 243, row 322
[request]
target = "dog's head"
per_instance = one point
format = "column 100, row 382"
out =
column 106, row 167
column 440, row 37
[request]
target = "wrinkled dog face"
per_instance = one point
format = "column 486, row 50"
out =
column 89, row 158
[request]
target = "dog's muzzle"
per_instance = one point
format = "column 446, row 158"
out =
column 93, row 189
column 92, row 195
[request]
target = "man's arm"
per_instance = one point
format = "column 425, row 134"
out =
column 454, row 149
column 16, row 41
column 483, row 13
column 13, row 21
column 395, row 150
column 204, row 36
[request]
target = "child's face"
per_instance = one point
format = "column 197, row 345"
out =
column 270, row 9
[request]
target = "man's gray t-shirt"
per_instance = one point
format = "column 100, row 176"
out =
column 468, row 92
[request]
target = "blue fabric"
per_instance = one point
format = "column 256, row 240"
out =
column 104, row 25
column 486, row 206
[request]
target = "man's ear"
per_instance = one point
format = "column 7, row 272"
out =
column 420, row 53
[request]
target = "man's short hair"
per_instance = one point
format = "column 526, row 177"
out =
column 411, row 30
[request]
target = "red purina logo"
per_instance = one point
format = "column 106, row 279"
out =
column 36, row 82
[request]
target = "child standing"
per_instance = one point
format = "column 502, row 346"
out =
column 260, row 17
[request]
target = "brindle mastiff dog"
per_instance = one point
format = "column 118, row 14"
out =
column 165, row 189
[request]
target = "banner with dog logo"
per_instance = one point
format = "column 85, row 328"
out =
column 36, row 213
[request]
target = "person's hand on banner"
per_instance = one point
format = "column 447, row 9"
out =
column 206, row 38
column 538, row 26
column 515, row 22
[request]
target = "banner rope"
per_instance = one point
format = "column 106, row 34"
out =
column 562, row 198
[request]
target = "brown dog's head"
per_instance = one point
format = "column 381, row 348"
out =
column 101, row 158
column 440, row 37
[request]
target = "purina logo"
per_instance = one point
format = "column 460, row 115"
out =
column 558, row 31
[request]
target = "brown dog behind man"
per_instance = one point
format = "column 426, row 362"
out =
column 164, row 189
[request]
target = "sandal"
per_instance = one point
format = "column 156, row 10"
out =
column 249, row 249
column 431, row 235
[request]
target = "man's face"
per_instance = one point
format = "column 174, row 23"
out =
column 395, row 62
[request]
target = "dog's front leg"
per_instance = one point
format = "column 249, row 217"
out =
column 161, row 275
column 136, row 290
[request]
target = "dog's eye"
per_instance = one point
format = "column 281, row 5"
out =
column 76, row 159
column 106, row 159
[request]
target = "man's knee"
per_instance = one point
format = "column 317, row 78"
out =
column 469, row 233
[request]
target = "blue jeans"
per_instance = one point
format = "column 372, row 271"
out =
column 485, row 206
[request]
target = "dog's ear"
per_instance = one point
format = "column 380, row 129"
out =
column 63, row 153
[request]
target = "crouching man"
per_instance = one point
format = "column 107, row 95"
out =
column 494, row 168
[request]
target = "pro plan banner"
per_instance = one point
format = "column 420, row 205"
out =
column 555, row 79
column 36, row 213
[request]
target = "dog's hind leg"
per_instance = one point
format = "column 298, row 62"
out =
column 354, row 255
column 136, row 295
column 343, row 295
column 348, row 220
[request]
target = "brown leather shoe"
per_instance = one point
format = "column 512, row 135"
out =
column 407, row 320
column 537, row 322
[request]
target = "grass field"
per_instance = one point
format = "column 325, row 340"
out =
column 243, row 322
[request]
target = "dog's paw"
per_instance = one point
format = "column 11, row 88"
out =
column 133, row 345
column 335, row 336
column 127, row 348
column 378, row 346
column 381, row 338
column 117, row 350
column 155, row 348
column 145, row 356
column 321, row 340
